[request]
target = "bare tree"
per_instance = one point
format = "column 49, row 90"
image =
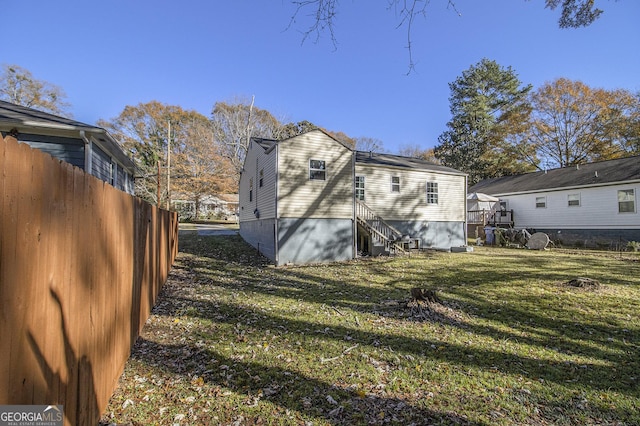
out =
column 235, row 123
column 574, row 14
column 19, row 86
column 369, row 144
column 416, row 151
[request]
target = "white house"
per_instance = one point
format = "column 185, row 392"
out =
column 311, row 198
column 210, row 206
column 592, row 204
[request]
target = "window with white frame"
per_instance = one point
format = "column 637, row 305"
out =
column 251, row 189
column 360, row 188
column 432, row 192
column 261, row 181
column 317, row 170
column 395, row 183
column 541, row 202
column 573, row 200
column 626, row 201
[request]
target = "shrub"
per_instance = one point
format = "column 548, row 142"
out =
column 633, row 246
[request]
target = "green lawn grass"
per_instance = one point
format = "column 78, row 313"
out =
column 233, row 340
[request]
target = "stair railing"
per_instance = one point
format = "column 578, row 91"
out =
column 379, row 229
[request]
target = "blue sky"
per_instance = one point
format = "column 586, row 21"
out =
column 110, row 54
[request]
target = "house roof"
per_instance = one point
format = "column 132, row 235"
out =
column 364, row 157
column 29, row 120
column 264, row 143
column 229, row 198
column 268, row 144
column 593, row 174
column 373, row 158
column 24, row 117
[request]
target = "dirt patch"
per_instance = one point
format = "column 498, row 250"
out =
column 426, row 305
column 583, row 282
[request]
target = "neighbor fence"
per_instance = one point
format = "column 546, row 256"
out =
column 81, row 265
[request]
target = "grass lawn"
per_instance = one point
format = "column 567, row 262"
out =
column 235, row 341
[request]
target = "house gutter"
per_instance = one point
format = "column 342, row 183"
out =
column 566, row 188
column 56, row 126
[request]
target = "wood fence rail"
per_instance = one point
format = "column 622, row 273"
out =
column 81, row 265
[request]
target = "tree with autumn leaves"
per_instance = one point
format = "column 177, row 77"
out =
column 175, row 151
column 501, row 127
column 571, row 123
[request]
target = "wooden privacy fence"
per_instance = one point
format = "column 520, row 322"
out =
column 81, row 265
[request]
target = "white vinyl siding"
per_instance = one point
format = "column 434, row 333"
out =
column 265, row 191
column 411, row 203
column 301, row 197
column 599, row 209
column 257, row 184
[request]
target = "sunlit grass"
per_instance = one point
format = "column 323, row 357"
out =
column 236, row 341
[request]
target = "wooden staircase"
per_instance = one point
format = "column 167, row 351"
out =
column 383, row 236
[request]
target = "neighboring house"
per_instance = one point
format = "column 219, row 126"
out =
column 218, row 206
column 228, row 204
column 591, row 204
column 311, row 198
column 88, row 147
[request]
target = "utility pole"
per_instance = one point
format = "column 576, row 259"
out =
column 158, row 202
column 253, row 98
column 169, row 165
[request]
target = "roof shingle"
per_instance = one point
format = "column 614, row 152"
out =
column 592, row 174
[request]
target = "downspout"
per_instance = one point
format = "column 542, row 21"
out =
column 354, row 227
column 277, row 212
column 88, row 164
column 464, row 227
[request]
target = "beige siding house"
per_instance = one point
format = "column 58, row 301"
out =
column 424, row 202
column 311, row 199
